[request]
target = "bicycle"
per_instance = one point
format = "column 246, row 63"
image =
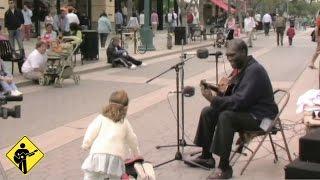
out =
column 141, row 49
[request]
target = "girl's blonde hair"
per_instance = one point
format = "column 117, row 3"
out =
column 116, row 110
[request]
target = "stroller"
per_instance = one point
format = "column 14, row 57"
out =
column 220, row 39
column 60, row 67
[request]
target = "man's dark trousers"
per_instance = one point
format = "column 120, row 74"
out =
column 219, row 141
column 266, row 27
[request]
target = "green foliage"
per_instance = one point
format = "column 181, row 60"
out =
column 302, row 8
column 295, row 7
column 271, row 6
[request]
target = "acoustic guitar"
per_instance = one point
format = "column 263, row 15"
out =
column 19, row 157
column 223, row 88
column 225, row 85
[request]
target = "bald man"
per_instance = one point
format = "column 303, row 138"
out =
column 249, row 101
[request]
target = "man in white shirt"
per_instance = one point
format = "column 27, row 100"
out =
column 72, row 17
column 266, row 20
column 141, row 19
column 125, row 15
column 34, row 67
column 27, row 14
column 249, row 25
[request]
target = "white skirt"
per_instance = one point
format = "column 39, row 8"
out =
column 110, row 165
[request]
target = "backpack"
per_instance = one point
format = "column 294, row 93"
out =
column 189, row 18
column 280, row 22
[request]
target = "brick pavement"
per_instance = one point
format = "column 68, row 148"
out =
column 45, row 169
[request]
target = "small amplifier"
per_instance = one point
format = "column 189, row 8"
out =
column 302, row 170
column 309, row 147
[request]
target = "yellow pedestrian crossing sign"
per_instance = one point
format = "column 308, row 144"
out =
column 25, row 155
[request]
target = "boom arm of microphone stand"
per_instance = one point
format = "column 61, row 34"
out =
column 172, row 67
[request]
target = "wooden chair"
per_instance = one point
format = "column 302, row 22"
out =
column 276, row 126
column 8, row 54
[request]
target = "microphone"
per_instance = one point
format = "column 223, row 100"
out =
column 203, row 53
column 187, row 91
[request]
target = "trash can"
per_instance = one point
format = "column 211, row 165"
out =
column 180, row 35
column 90, row 45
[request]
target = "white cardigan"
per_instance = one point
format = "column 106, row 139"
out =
column 105, row 136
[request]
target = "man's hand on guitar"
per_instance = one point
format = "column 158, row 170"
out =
column 206, row 93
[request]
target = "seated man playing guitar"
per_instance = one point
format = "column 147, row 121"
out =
column 242, row 107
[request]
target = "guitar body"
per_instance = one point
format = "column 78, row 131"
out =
column 17, row 159
column 224, row 87
column 20, row 157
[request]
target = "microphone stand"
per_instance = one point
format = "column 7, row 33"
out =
column 176, row 67
column 217, row 71
column 180, row 142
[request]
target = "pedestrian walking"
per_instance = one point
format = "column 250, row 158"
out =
column 249, row 25
column 172, row 20
column 133, row 22
column 108, row 138
column 266, row 20
column 64, row 24
column 190, row 18
column 154, row 21
column 317, row 36
column 49, row 19
column 27, row 14
column 104, row 28
column 280, row 25
column 119, row 21
column 290, row 34
column 72, row 17
column 125, row 15
column 231, row 26
column 13, row 20
column 141, row 19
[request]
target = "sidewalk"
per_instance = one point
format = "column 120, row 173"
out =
column 160, row 42
column 262, row 168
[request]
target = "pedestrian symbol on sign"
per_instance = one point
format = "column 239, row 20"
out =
column 25, row 155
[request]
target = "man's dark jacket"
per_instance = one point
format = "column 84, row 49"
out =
column 113, row 53
column 13, row 20
column 252, row 93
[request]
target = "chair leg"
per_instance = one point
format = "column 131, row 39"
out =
column 285, row 142
column 238, row 150
column 273, row 148
column 253, row 154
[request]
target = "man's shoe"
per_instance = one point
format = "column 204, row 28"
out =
column 219, row 174
column 208, row 163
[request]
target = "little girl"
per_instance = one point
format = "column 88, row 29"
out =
column 107, row 137
column 290, row 34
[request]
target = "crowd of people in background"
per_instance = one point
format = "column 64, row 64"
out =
column 69, row 22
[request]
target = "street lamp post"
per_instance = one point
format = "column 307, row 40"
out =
column 146, row 33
